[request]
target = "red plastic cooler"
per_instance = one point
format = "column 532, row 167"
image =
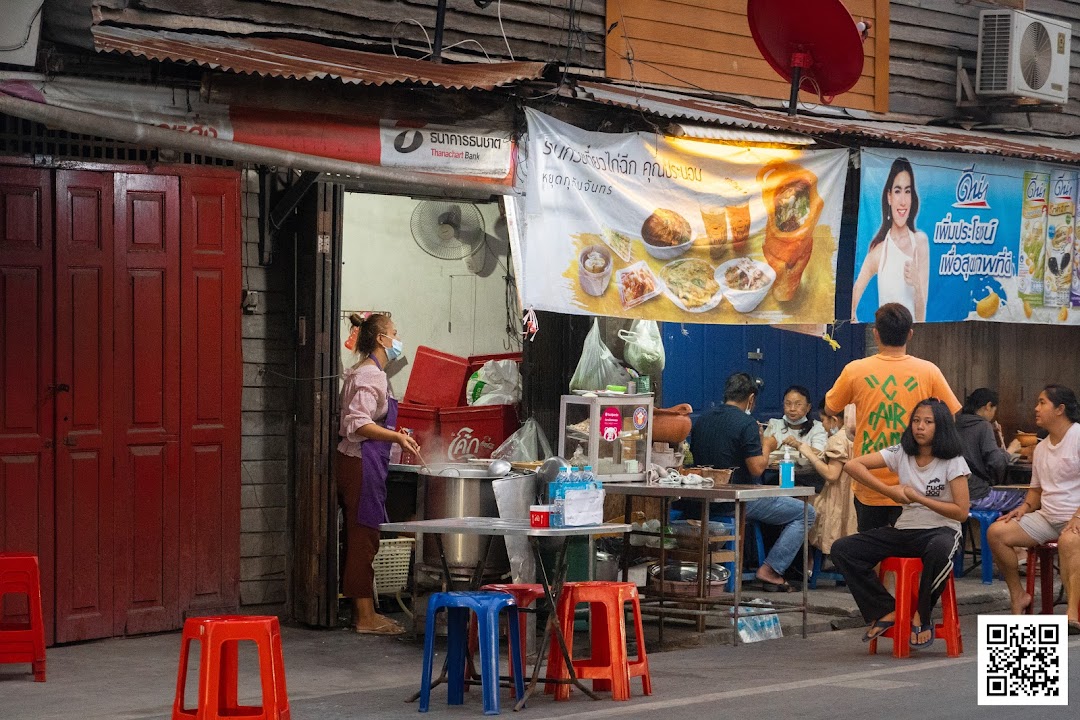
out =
column 424, row 423
column 436, row 378
column 474, row 432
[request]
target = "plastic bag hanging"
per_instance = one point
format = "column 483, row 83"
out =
column 527, row 444
column 597, row 367
column 644, row 347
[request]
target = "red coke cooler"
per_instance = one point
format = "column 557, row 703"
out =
column 423, row 421
column 475, row 432
column 436, row 378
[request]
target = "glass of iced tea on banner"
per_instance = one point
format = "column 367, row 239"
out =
column 714, row 215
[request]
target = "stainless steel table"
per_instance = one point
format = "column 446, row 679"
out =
column 552, row 585
column 737, row 494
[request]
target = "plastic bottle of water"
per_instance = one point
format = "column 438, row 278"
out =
column 590, row 477
column 787, row 469
column 556, row 495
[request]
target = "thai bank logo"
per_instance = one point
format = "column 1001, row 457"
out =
column 464, row 446
column 408, row 141
column 972, row 190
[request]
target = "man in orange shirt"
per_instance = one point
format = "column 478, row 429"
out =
column 885, row 388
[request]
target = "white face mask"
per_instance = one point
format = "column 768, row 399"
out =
column 395, row 350
column 799, row 421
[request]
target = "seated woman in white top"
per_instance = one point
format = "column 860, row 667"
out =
column 795, row 424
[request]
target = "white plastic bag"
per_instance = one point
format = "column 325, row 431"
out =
column 644, row 347
column 527, row 444
column 597, row 367
column 497, row 382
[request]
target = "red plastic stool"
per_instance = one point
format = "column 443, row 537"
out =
column 907, row 571
column 23, row 642
column 219, row 639
column 1045, row 556
column 608, row 666
column 525, row 595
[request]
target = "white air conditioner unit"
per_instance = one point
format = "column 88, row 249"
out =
column 1023, row 55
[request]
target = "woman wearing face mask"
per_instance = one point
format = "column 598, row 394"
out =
column 835, row 504
column 795, row 424
column 368, row 418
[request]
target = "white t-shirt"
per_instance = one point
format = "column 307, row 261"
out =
column 1056, row 469
column 932, row 481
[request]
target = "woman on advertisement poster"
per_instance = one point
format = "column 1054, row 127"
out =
column 899, row 253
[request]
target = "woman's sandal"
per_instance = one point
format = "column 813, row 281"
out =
column 877, row 629
column 386, row 627
column 916, row 631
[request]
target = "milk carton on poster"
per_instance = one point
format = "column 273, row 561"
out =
column 1033, row 237
column 1074, row 296
column 1061, row 211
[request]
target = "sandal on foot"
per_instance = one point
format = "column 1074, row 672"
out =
column 1074, row 627
column 916, row 631
column 877, row 629
column 387, row 627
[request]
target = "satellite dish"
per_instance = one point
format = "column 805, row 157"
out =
column 814, row 44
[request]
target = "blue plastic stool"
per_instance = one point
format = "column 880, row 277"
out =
column 817, row 574
column 487, row 606
column 985, row 518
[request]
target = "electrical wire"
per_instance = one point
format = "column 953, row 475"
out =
column 29, row 31
column 461, row 42
column 393, row 35
column 498, row 11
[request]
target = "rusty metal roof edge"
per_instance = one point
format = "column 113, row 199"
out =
column 1049, row 148
column 126, row 41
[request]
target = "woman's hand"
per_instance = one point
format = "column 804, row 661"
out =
column 407, row 443
column 792, row 441
column 896, row 493
column 912, row 495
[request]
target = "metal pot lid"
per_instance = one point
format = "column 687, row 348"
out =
column 459, row 470
column 688, row 572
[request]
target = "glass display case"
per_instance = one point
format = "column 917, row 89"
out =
column 613, row 433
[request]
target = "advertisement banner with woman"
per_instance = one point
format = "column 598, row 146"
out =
column 642, row 225
column 964, row 237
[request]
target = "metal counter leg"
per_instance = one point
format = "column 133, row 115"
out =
column 805, row 567
column 739, row 533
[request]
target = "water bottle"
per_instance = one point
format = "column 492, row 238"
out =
column 590, row 477
column 556, row 495
column 787, row 469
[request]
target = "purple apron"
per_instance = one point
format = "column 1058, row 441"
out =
column 375, row 466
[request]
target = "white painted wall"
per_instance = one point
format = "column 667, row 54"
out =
column 438, row 303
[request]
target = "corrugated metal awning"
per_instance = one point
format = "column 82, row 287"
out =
column 301, row 60
column 675, row 105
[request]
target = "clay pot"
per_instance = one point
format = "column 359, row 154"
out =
column 671, row 425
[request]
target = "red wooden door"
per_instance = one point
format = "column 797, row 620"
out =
column 26, row 375
column 84, row 413
column 210, row 403
column 147, row 402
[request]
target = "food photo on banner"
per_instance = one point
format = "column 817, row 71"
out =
column 959, row 237
column 642, row 225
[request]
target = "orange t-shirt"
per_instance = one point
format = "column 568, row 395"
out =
column 885, row 389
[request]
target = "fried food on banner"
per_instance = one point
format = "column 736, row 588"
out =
column 665, row 228
column 792, row 206
column 989, row 305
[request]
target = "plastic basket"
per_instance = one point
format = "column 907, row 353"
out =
column 391, row 566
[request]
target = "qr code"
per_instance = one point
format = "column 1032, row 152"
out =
column 1023, row 660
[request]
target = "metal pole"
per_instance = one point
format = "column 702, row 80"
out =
column 440, row 22
column 793, row 99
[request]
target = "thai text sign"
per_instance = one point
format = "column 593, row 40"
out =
column 643, row 225
column 959, row 237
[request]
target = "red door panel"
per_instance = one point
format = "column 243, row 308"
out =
column 147, row 403
column 84, row 413
column 26, row 376
column 210, row 403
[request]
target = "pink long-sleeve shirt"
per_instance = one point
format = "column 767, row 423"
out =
column 363, row 401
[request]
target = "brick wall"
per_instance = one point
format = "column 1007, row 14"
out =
column 266, row 420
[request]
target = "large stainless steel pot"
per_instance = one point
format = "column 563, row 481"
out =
column 461, row 490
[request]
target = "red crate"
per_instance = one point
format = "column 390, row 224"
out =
column 436, row 378
column 424, row 423
column 474, row 432
column 476, row 362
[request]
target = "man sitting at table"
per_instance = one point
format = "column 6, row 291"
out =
column 795, row 424
column 1051, row 509
column 728, row 437
column 985, row 458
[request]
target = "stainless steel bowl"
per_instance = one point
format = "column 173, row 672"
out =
column 688, row 572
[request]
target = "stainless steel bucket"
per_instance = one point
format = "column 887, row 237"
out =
column 461, row 490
